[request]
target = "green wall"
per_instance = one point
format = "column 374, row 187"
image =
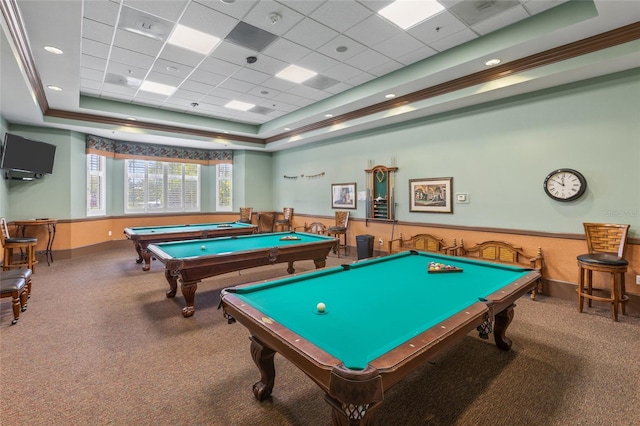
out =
column 4, row 186
column 499, row 154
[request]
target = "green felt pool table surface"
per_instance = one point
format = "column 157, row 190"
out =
column 383, row 316
column 194, row 260
column 143, row 236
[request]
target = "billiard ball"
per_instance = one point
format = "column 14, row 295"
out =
column 321, row 307
column 203, row 247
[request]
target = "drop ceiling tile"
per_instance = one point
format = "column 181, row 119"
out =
column 167, row 9
column 385, row 68
column 342, row 72
column 91, row 62
column 417, row 55
column 398, row 45
column 373, row 30
column 202, row 18
column 287, row 98
column 261, row 16
column 502, row 20
column 218, row 66
column 537, row 6
column 94, row 48
column 236, row 9
column 130, row 57
column 341, row 15
column 124, row 69
column 308, row 92
column 440, row 26
column 264, row 92
column 251, row 76
column 208, row 78
column 359, row 79
column 286, row 51
column 90, row 86
column 454, row 40
column 267, row 65
column 187, row 95
column 236, row 85
column 185, row 104
column 172, row 68
column 317, row 62
column 197, row 87
column 340, row 87
column 250, row 99
column 149, row 98
column 342, row 41
column 310, row 34
column 162, row 78
column 213, row 101
column 118, row 91
column 181, row 56
column 137, row 43
column 233, row 53
column 97, row 31
column 367, row 60
column 101, row 11
column 225, row 93
column 304, row 7
column 250, row 37
column 89, row 74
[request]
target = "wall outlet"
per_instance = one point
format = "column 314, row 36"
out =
column 638, row 279
column 380, row 241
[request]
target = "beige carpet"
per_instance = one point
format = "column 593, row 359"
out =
column 100, row 344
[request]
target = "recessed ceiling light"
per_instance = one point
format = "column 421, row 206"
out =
column 406, row 14
column 55, row 88
column 286, row 129
column 227, row 1
column 193, row 40
column 242, row 106
column 390, row 96
column 296, row 74
column 226, row 132
column 328, row 115
column 162, row 89
column 341, row 49
column 53, row 50
column 173, row 69
column 132, row 119
column 492, row 62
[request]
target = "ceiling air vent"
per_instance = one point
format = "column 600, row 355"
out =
column 144, row 24
column 472, row 12
column 251, row 37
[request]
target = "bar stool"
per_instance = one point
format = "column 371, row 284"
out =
column 11, row 245
column 606, row 244
column 340, row 228
column 245, row 214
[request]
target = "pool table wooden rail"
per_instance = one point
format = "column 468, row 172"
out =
column 191, row 270
column 354, row 395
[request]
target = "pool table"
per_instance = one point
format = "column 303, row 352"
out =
column 383, row 318
column 143, row 236
column 194, row 260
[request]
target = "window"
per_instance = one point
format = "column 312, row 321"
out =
column 224, row 188
column 96, row 185
column 157, row 187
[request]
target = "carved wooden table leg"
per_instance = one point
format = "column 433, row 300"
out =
column 354, row 397
column 320, row 263
column 189, row 293
column 502, row 321
column 263, row 357
column 290, row 268
column 172, row 279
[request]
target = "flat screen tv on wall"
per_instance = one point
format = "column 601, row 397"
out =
column 26, row 155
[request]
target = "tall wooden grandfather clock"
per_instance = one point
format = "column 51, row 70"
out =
column 380, row 192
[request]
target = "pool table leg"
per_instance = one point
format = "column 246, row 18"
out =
column 354, row 397
column 320, row 263
column 172, row 279
column 502, row 321
column 263, row 357
column 189, row 293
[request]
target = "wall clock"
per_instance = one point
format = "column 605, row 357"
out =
column 565, row 184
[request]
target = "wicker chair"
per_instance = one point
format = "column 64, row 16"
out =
column 340, row 229
column 286, row 223
column 503, row 252
column 606, row 244
column 421, row 242
column 26, row 246
column 246, row 214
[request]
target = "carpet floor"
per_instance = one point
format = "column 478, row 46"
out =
column 100, row 344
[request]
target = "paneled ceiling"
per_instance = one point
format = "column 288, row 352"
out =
column 113, row 48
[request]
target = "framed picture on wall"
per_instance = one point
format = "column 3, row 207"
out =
column 343, row 195
column 431, row 195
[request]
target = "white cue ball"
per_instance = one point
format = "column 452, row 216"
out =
column 203, row 247
column 321, row 307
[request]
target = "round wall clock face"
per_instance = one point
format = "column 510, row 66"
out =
column 565, row 184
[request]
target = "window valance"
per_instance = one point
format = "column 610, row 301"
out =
column 143, row 151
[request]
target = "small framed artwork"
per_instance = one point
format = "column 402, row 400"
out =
column 432, row 195
column 343, row 195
